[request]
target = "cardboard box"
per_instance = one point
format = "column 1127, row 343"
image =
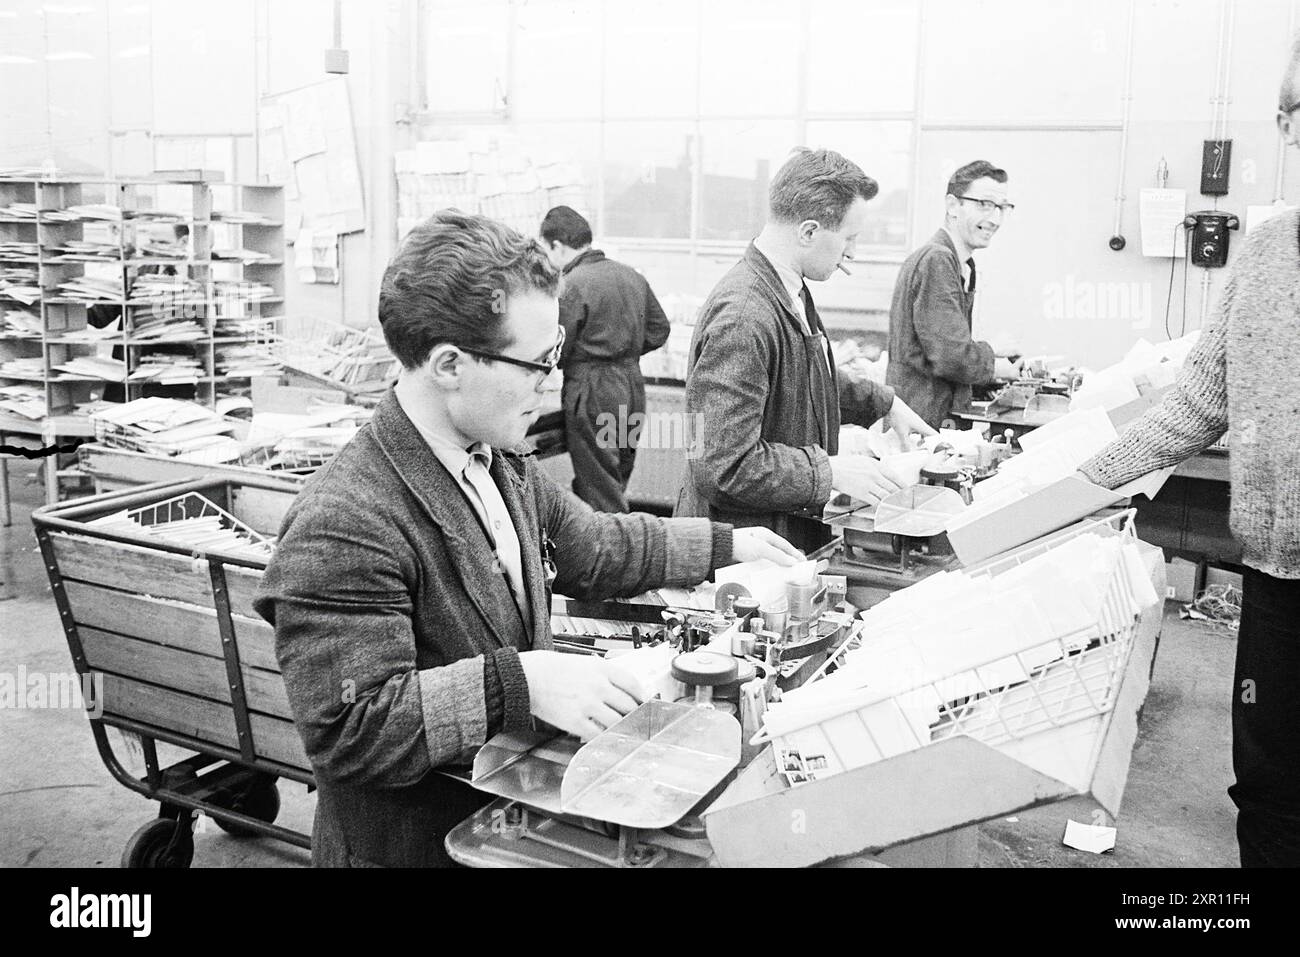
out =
column 1221, row 576
column 952, row 784
column 1051, row 508
column 1184, row 579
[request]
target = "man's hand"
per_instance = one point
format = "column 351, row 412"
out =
column 862, row 477
column 1006, row 369
column 579, row 694
column 904, row 421
column 752, row 544
column 1005, row 345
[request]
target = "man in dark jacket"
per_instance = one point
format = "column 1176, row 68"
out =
column 408, row 590
column 933, row 361
column 611, row 318
column 763, row 396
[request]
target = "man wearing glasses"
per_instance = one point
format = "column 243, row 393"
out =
column 410, row 589
column 933, row 360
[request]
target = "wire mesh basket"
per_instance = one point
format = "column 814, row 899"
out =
column 1073, row 677
column 194, row 522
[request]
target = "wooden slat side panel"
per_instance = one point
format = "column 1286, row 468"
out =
column 278, row 740
column 141, row 570
column 158, row 665
column 241, row 586
column 256, row 640
column 260, row 509
column 166, row 623
column 184, row 714
column 265, row 692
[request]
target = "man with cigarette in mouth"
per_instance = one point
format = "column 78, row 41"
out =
column 933, row 360
column 762, row 387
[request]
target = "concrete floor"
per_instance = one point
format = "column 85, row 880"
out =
column 60, row 807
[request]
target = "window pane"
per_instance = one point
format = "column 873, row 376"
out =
column 750, row 57
column 557, row 60
column 883, row 150
column 739, row 159
column 465, row 54
column 875, row 75
column 566, row 157
column 648, row 179
column 651, row 59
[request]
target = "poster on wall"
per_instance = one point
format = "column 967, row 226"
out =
column 307, row 143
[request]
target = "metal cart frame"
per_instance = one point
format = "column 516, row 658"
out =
column 239, row 792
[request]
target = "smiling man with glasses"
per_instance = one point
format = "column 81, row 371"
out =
column 933, row 359
column 410, row 588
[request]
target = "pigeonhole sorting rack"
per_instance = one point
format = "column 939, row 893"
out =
column 156, row 604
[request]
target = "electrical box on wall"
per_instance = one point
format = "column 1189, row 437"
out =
column 1216, row 156
column 336, row 61
column 1210, row 237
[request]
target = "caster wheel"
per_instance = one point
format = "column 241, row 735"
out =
column 150, row 847
column 261, row 800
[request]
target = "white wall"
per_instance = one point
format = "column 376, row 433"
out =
column 1066, row 67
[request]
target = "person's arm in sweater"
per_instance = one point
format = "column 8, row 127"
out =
column 1192, row 417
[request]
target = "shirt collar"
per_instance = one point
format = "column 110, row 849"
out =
column 453, row 457
column 792, row 281
column 963, row 253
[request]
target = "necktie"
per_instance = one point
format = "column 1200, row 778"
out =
column 500, row 528
column 971, row 262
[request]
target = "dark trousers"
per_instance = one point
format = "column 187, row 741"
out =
column 600, row 402
column 1266, row 722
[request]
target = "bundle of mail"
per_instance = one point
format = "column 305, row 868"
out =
column 27, row 401
column 88, row 289
column 21, row 324
column 998, row 656
column 20, row 283
column 169, row 427
column 83, row 250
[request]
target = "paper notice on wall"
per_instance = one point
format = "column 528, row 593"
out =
column 1259, row 214
column 1161, row 212
column 316, row 256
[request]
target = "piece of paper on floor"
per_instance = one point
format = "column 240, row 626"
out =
column 1089, row 837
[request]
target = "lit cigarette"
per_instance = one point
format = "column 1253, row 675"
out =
column 843, row 268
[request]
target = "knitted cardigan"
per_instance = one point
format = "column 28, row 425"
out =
column 1243, row 377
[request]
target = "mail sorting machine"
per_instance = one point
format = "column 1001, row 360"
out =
column 632, row 797
column 154, row 587
column 897, row 542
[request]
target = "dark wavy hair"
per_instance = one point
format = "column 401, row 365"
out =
column 959, row 183
column 450, row 281
column 820, row 185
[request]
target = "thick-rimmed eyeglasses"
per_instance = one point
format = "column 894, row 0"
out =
column 988, row 205
column 546, row 365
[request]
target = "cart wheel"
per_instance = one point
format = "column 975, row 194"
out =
column 261, row 800
column 150, row 846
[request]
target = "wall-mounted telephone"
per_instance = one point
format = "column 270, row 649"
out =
column 1210, row 236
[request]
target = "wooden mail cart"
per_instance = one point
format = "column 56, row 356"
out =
column 156, row 599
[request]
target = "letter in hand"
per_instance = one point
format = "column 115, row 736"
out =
column 862, row 477
column 580, row 694
column 1006, row 369
column 904, row 421
column 753, row 544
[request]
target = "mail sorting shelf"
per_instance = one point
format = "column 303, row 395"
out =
column 166, row 636
column 1068, row 679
